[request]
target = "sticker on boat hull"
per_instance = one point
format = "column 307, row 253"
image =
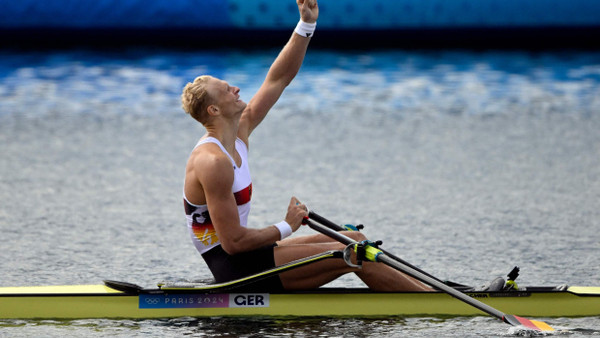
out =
column 230, row 300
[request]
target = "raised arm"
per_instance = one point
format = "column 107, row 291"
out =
column 282, row 71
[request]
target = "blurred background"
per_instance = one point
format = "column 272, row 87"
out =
column 347, row 23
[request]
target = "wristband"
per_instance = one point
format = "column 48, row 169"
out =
column 305, row 29
column 284, row 229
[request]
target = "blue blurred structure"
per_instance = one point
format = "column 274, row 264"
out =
column 343, row 23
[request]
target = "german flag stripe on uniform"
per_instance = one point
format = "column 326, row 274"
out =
column 243, row 196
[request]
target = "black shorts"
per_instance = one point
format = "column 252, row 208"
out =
column 226, row 267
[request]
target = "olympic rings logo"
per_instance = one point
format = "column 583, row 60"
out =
column 152, row 301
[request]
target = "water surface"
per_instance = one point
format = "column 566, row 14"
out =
column 464, row 163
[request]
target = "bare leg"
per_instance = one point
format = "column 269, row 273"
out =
column 319, row 238
column 377, row 276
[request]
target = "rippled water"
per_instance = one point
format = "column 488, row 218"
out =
column 465, row 163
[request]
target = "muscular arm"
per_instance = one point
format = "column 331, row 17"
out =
column 213, row 169
column 282, row 72
column 214, row 172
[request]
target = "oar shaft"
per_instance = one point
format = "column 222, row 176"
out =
column 440, row 286
column 375, row 254
column 330, row 232
column 325, row 221
column 386, row 259
column 337, row 227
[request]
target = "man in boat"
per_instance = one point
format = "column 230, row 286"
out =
column 218, row 187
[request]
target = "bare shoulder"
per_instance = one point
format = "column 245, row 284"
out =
column 211, row 166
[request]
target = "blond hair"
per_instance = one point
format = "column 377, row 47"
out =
column 195, row 98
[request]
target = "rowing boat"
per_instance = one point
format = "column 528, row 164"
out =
column 124, row 300
column 505, row 301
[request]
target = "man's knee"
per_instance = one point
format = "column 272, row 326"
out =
column 355, row 235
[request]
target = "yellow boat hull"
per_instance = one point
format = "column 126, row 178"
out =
column 100, row 301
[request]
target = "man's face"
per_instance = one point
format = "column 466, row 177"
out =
column 226, row 97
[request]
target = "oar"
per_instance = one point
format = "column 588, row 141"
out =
column 377, row 255
column 331, row 225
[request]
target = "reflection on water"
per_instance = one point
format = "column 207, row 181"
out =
column 296, row 327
